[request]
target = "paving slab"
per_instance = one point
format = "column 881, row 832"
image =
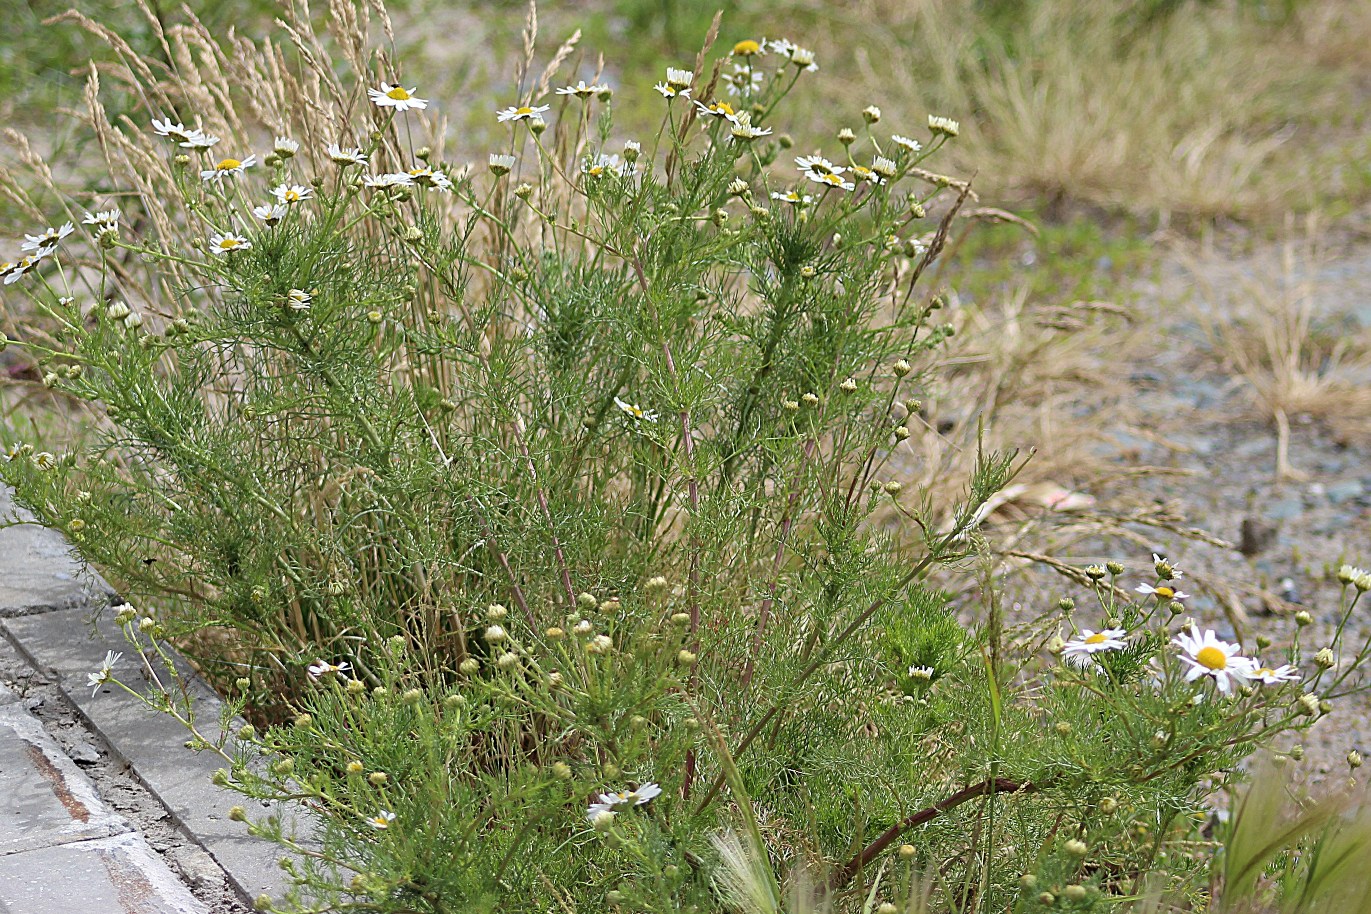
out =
column 71, row 644
column 118, row 875
column 40, row 572
column 46, row 801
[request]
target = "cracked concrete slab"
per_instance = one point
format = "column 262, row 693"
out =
column 40, row 571
column 46, row 800
column 117, row 875
column 66, row 643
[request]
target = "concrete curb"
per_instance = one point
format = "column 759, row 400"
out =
column 50, row 611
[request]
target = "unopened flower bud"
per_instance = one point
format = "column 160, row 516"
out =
column 907, row 851
column 849, row 386
column 1028, row 881
column 1303, row 618
column 495, row 634
column 378, row 778
column 1354, row 760
column 507, row 660
column 1076, row 848
column 686, row 658
column 681, row 618
column 1074, row 893
column 810, row 400
column 1108, row 805
column 1309, row 704
column 555, row 634
column 1094, row 572
column 1114, row 568
column 1063, row 728
column 469, row 666
column 1047, row 899
column 1325, row 658
column 871, row 114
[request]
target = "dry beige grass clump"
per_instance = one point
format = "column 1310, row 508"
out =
column 1272, row 330
column 1207, row 112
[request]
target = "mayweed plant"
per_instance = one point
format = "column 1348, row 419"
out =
column 523, row 507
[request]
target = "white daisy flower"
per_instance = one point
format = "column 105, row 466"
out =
column 781, row 46
column 105, row 220
column 285, row 147
column 904, row 142
column 922, row 673
column 607, row 802
column 679, row 79
column 637, row 412
column 226, row 243
column 13, row 272
column 804, row 59
column 271, row 213
column 397, row 97
column 1217, row 659
column 867, row 174
column 390, row 179
column 174, row 129
column 48, row 238
column 381, row 821
column 346, row 155
column 323, row 667
column 1268, row 676
column 742, row 81
column 830, row 180
column 501, row 164
column 198, row 139
column 583, row 91
column 104, row 674
column 716, row 109
column 602, row 164
column 521, row 113
column 299, row 300
column 744, row 129
column 1165, row 569
column 425, row 176
column 793, row 197
column 944, row 125
column 883, row 167
column 228, row 168
column 670, row 92
column 818, row 164
column 1162, row 592
column 291, row 193
column 1077, row 651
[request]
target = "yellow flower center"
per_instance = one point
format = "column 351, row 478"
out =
column 399, row 94
column 380, row 822
column 1212, row 658
column 292, row 196
column 524, row 111
column 747, row 48
column 831, row 179
column 1097, row 638
column 1264, row 671
column 1164, row 592
column 229, row 243
column 228, row 165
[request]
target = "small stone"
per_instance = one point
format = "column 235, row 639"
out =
column 1345, row 491
column 1255, row 536
column 83, row 753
